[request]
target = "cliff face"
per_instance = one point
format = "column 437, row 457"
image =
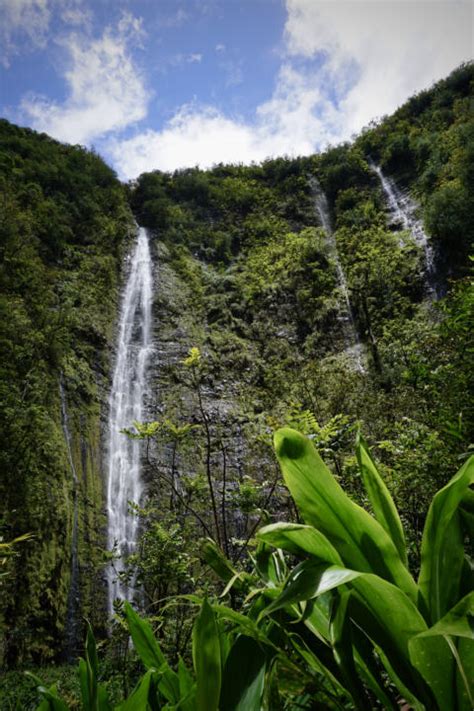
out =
column 64, row 230
column 311, row 289
column 311, row 303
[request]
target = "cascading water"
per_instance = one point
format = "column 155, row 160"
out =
column 73, row 606
column 353, row 343
column 403, row 214
column 125, row 407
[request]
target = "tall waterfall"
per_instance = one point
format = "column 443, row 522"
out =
column 351, row 336
column 403, row 214
column 125, row 406
column 73, row 606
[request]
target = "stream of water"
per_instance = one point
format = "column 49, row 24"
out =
column 402, row 211
column 353, row 344
column 126, row 405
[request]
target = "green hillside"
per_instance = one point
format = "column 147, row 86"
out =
column 287, row 293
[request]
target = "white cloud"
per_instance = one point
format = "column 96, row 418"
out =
column 203, row 136
column 233, row 71
column 25, row 24
column 346, row 63
column 22, row 19
column 180, row 17
column 72, row 13
column 385, row 50
column 106, row 91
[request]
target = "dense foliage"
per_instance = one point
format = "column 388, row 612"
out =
column 350, row 616
column 63, row 229
column 272, row 308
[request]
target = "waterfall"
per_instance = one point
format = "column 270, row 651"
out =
column 126, row 406
column 73, row 605
column 351, row 336
column 402, row 211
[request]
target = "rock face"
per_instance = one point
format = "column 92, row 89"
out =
column 63, row 241
column 214, row 402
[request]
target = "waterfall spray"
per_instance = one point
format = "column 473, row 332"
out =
column 403, row 214
column 126, row 406
column 353, row 344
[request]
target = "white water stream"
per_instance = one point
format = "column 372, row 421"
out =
column 403, row 214
column 126, row 406
column 353, row 344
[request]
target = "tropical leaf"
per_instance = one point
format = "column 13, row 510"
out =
column 244, row 676
column 361, row 541
column 341, row 638
column 187, row 688
column 383, row 505
column 150, row 653
column 50, row 701
column 442, row 549
column 214, row 557
column 270, row 564
column 144, row 640
column 94, row 695
column 139, row 696
column 458, row 622
column 299, row 539
column 390, row 619
column 308, row 580
column 207, row 659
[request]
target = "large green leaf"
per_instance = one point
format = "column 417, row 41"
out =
column 458, row 622
column 215, row 558
column 361, row 541
column 390, row 619
column 138, row 699
column 297, row 539
column 379, row 496
column 308, row 580
column 50, row 701
column 144, row 640
column 270, row 564
column 244, row 676
column 207, row 659
column 150, row 653
column 380, row 609
column 94, row 696
column 341, row 638
column 187, row 688
column 442, row 551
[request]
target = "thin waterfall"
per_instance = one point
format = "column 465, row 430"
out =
column 126, row 406
column 73, row 605
column 351, row 335
column 402, row 211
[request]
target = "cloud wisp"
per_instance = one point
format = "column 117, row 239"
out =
column 343, row 63
column 22, row 19
column 346, row 62
column 106, row 90
column 379, row 53
column 204, row 136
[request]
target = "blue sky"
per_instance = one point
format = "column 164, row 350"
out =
column 173, row 83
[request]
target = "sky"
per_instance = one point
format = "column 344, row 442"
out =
column 168, row 84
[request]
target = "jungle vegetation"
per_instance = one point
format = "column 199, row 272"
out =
column 248, row 303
